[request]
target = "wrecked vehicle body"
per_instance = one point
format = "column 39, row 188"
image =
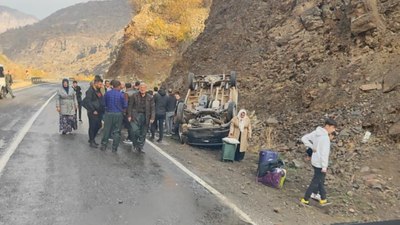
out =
column 210, row 104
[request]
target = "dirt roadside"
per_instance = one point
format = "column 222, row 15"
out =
column 266, row 205
column 237, row 182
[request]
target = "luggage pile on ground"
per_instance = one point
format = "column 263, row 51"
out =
column 270, row 170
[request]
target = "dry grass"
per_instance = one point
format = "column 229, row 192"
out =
column 269, row 137
column 19, row 71
column 166, row 23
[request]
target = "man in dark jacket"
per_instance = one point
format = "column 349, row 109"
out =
column 94, row 105
column 78, row 92
column 171, row 104
column 179, row 100
column 140, row 113
column 160, row 101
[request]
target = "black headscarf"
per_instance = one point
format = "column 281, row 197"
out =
column 65, row 88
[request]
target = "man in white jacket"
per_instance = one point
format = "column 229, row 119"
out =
column 320, row 143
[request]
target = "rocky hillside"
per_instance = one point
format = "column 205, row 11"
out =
column 11, row 18
column 305, row 57
column 19, row 71
column 75, row 40
column 300, row 61
column 156, row 37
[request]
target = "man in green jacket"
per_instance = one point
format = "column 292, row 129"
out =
column 9, row 82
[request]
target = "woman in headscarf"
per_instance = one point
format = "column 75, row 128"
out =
column 240, row 130
column 66, row 104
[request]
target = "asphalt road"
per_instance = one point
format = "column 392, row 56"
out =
column 57, row 179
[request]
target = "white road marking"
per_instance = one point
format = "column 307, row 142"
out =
column 20, row 136
column 220, row 196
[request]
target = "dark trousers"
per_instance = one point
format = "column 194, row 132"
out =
column 317, row 184
column 9, row 90
column 127, row 125
column 79, row 111
column 112, row 128
column 158, row 122
column 139, row 130
column 239, row 156
column 94, row 125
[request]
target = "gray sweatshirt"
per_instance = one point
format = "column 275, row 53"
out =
column 319, row 141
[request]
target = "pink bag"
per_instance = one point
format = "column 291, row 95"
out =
column 274, row 179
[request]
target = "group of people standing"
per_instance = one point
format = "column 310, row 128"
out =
column 118, row 105
column 121, row 106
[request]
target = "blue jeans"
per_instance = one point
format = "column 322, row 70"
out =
column 169, row 122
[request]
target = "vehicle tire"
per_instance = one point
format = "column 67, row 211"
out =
column 179, row 113
column 182, row 137
column 232, row 80
column 191, row 84
column 232, row 111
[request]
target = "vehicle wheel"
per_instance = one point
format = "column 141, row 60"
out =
column 182, row 137
column 191, row 81
column 232, row 111
column 179, row 113
column 232, row 80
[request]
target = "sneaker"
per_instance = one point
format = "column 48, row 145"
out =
column 316, row 197
column 159, row 140
column 114, row 150
column 127, row 142
column 168, row 135
column 324, row 202
column 304, row 202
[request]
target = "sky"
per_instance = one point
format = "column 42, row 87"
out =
column 39, row 8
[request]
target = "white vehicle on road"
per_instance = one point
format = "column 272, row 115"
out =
column 3, row 89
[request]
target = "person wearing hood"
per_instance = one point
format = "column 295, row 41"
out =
column 319, row 142
column 160, row 101
column 66, row 105
column 241, row 130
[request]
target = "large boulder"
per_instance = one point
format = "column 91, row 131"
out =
column 395, row 129
column 311, row 19
column 391, row 80
column 362, row 24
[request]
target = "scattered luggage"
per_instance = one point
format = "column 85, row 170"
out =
column 274, row 178
column 270, row 170
column 268, row 160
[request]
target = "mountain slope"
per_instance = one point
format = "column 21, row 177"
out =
column 300, row 61
column 11, row 18
column 156, row 37
column 72, row 40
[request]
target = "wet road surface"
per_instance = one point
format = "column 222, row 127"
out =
column 58, row 179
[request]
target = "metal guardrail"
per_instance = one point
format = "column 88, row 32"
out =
column 36, row 80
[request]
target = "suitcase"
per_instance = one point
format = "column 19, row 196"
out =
column 265, row 158
column 274, row 178
column 228, row 151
